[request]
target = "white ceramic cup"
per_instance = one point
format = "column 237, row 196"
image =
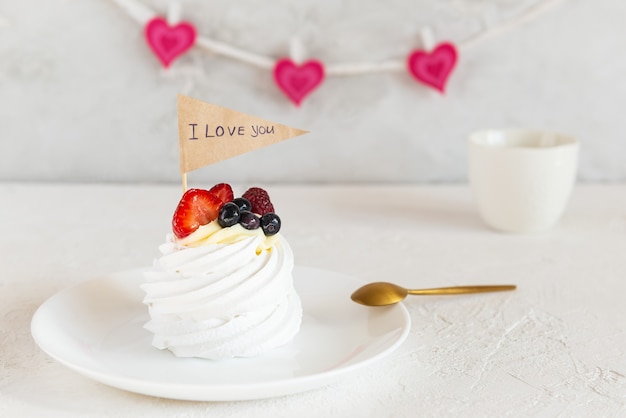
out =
column 521, row 180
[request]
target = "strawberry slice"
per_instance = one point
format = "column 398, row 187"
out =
column 196, row 207
column 223, row 191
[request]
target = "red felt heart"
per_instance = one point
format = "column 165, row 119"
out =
column 169, row 42
column 298, row 81
column 433, row 69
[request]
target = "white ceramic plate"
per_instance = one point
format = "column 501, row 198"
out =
column 96, row 329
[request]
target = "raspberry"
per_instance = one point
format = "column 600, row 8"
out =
column 260, row 200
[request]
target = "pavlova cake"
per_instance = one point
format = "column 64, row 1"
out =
column 222, row 286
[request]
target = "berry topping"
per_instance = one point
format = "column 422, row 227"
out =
column 260, row 200
column 249, row 220
column 242, row 203
column 223, row 191
column 270, row 222
column 197, row 207
column 229, row 215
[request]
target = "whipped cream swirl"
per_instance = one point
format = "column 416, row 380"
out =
column 218, row 300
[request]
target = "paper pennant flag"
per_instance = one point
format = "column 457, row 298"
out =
column 208, row 133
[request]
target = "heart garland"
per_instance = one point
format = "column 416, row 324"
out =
column 434, row 68
column 297, row 81
column 169, row 42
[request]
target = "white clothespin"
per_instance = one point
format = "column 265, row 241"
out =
column 428, row 38
column 428, row 44
column 297, row 52
column 173, row 13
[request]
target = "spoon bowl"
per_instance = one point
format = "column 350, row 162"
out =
column 384, row 293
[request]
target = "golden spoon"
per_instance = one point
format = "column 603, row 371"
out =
column 383, row 293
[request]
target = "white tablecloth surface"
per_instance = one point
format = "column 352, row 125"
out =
column 554, row 347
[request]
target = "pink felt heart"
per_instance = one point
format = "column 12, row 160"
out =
column 169, row 42
column 298, row 81
column 433, row 69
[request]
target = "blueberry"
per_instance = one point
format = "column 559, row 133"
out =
column 249, row 220
column 229, row 215
column 242, row 203
column 270, row 222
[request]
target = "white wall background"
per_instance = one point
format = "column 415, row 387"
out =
column 82, row 98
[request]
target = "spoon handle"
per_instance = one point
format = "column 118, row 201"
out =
column 455, row 290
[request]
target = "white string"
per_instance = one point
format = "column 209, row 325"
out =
column 136, row 10
column 531, row 13
column 142, row 14
column 226, row 50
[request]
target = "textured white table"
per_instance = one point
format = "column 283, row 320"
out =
column 554, row 347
